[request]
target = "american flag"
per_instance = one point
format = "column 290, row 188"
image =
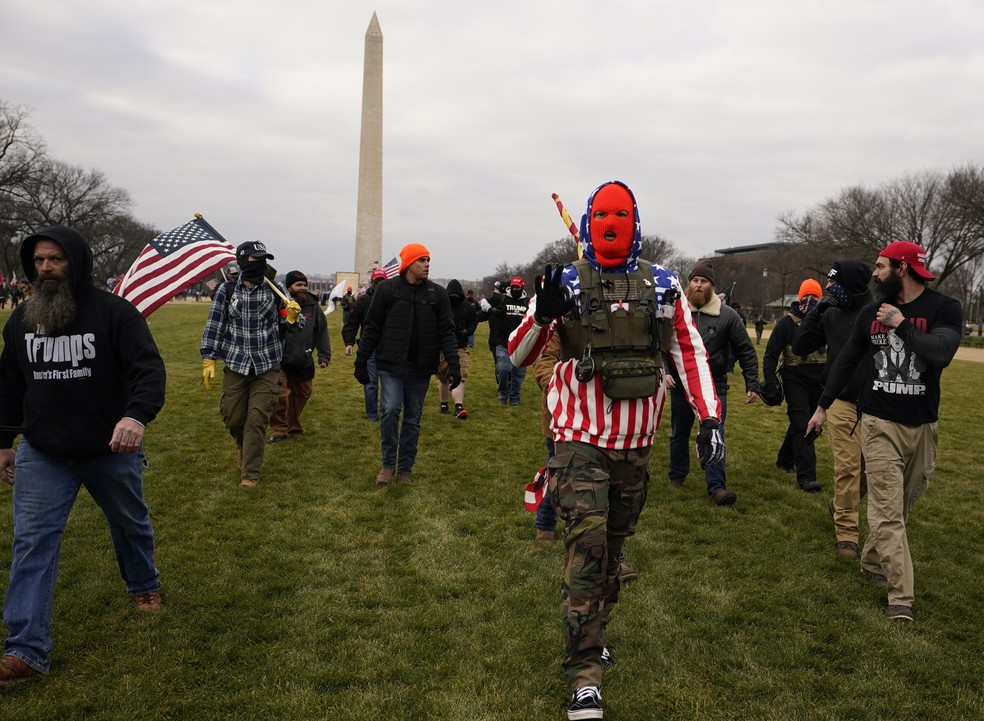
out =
column 172, row 262
column 392, row 268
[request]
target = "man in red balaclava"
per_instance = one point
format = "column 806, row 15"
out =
column 605, row 398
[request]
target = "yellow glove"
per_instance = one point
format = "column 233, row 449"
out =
column 293, row 312
column 208, row 374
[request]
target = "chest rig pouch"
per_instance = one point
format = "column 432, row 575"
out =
column 615, row 330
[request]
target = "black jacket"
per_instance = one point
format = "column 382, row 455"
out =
column 508, row 312
column 298, row 360
column 407, row 322
column 357, row 316
column 832, row 326
column 723, row 333
column 463, row 313
column 70, row 391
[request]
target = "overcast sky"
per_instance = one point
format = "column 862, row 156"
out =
column 720, row 115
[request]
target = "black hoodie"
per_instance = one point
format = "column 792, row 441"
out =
column 465, row 318
column 832, row 326
column 69, row 392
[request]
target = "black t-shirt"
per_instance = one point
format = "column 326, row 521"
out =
column 901, row 367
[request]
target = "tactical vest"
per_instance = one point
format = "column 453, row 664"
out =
column 616, row 330
column 791, row 360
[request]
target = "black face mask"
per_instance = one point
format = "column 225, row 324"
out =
column 252, row 270
column 516, row 292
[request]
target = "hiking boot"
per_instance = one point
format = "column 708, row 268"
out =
column 811, row 486
column 847, row 549
column 444, row 409
column 384, row 477
column 13, row 670
column 544, row 536
column 277, row 438
column 249, row 483
column 875, row 579
column 676, row 485
column 403, row 478
column 460, row 413
column 585, row 704
column 724, row 497
column 626, row 574
column 607, row 660
column 150, row 601
column 899, row 613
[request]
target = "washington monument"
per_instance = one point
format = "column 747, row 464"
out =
column 369, row 212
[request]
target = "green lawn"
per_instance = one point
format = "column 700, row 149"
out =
column 318, row 596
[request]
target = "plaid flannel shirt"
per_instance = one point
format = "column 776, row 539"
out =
column 245, row 332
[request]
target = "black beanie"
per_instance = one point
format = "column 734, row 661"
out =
column 704, row 269
column 293, row 277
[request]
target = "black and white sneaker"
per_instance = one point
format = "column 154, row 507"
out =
column 585, row 704
column 607, row 660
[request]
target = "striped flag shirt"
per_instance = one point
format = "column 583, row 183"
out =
column 582, row 412
column 172, row 262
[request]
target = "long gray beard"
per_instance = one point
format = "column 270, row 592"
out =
column 51, row 307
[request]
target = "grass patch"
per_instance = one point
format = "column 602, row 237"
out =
column 317, row 595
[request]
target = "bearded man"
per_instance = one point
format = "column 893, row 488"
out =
column 80, row 378
column 909, row 326
column 616, row 315
column 724, row 336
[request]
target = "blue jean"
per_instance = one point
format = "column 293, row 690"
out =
column 546, row 516
column 371, row 390
column 45, row 489
column 681, row 423
column 509, row 377
column 407, row 392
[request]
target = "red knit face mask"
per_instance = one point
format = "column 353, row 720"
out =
column 612, row 225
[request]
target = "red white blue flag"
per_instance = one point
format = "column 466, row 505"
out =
column 172, row 262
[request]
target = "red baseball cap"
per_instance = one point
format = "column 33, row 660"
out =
column 909, row 253
column 517, row 281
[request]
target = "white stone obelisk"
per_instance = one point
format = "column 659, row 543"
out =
column 369, row 211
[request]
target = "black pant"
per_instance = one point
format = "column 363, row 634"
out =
column 801, row 385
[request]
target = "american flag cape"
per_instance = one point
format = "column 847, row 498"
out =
column 172, row 262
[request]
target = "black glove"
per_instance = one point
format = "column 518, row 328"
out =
column 771, row 393
column 551, row 296
column 710, row 443
column 454, row 378
column 362, row 373
column 828, row 301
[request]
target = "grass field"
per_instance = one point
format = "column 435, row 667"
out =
column 318, row 596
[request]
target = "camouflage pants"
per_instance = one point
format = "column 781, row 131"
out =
column 599, row 493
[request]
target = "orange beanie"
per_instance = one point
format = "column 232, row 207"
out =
column 810, row 287
column 410, row 253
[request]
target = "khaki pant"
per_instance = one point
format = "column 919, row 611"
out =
column 898, row 461
column 246, row 404
column 849, row 483
column 464, row 356
column 294, row 395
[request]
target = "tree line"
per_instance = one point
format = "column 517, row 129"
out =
column 37, row 190
column 941, row 211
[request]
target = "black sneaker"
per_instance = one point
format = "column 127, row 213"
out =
column 607, row 660
column 810, row 486
column 585, row 704
column 444, row 408
column 460, row 413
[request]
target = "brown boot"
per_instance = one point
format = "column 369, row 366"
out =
column 384, row 477
column 847, row 549
column 544, row 536
column 249, row 483
column 150, row 601
column 403, row 478
column 13, row 670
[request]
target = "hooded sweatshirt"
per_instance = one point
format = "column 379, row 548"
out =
column 68, row 392
column 463, row 313
column 581, row 411
column 832, row 326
